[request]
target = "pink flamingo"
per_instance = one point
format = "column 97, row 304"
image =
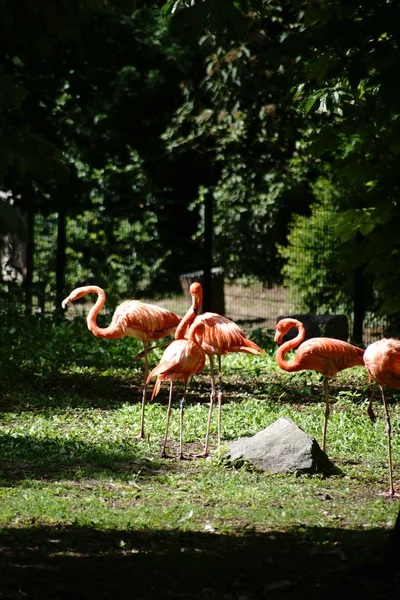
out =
column 382, row 359
column 328, row 356
column 131, row 318
column 218, row 336
column 180, row 360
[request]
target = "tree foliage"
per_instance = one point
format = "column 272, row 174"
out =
column 343, row 60
column 88, row 95
column 242, row 118
column 351, row 53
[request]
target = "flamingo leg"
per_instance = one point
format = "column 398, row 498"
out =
column 327, row 413
column 162, row 453
column 388, row 432
column 205, row 452
column 220, row 394
column 143, row 352
column 140, row 435
column 182, row 408
column 370, row 410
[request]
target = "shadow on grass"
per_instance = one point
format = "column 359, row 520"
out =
column 88, row 390
column 108, row 391
column 53, row 459
column 74, row 390
column 82, row 563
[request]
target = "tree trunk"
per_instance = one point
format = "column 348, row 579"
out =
column 208, row 251
column 61, row 258
column 30, row 250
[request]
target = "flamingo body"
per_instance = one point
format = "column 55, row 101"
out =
column 218, row 336
column 382, row 359
column 180, row 360
column 132, row 318
column 328, row 356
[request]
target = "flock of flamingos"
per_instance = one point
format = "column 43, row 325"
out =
column 198, row 335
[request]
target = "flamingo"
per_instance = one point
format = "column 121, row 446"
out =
column 180, row 360
column 218, row 336
column 131, row 318
column 328, row 356
column 382, row 359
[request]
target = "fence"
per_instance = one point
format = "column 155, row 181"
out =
column 254, row 306
column 250, row 304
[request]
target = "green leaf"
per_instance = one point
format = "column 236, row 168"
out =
column 307, row 103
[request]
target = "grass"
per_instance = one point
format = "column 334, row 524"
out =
column 88, row 510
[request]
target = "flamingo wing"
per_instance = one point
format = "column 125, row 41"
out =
column 219, row 335
column 328, row 356
column 382, row 359
column 181, row 359
column 145, row 321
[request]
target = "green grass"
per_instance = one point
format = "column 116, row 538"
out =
column 84, row 500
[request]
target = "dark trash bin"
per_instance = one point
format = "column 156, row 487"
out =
column 333, row 326
column 217, row 287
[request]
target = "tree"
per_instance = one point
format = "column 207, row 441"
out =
column 242, row 118
column 343, row 61
column 86, row 94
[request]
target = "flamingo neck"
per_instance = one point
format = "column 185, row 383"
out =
column 290, row 345
column 183, row 327
column 91, row 319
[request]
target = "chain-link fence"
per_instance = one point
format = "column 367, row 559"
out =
column 250, row 304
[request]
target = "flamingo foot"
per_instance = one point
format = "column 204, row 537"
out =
column 140, row 436
column 390, row 493
column 163, row 454
column 183, row 457
column 204, row 454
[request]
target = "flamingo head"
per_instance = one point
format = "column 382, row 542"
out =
column 285, row 325
column 79, row 292
column 196, row 292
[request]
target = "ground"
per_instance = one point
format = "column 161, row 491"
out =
column 82, row 563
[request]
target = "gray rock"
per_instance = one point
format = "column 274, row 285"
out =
column 281, row 448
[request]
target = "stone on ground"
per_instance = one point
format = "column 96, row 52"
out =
column 283, row 447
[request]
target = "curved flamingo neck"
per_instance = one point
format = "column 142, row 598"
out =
column 183, row 327
column 290, row 345
column 91, row 319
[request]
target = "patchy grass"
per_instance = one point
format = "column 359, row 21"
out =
column 88, row 510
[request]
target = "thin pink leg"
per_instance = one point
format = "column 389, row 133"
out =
column 212, row 400
column 388, row 432
column 327, row 413
column 182, row 408
column 220, row 394
column 205, row 452
column 146, row 372
column 370, row 410
column 162, row 453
